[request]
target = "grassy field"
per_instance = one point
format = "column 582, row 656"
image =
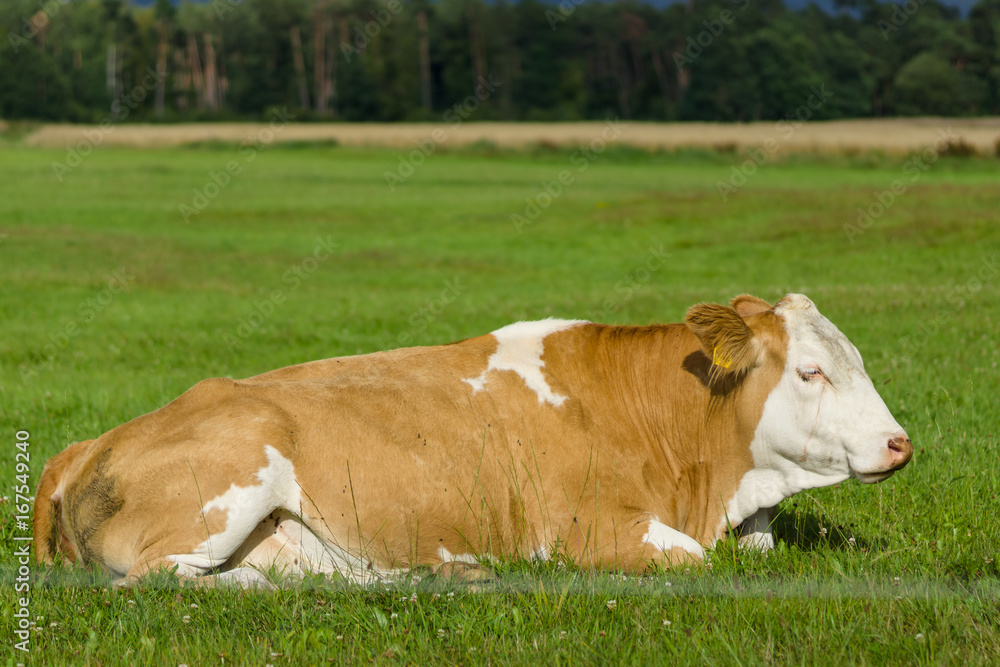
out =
column 114, row 303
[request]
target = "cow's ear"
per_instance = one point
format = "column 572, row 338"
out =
column 725, row 338
column 748, row 306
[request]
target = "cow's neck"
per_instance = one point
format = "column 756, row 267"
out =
column 700, row 432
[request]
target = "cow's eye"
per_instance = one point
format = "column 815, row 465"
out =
column 810, row 374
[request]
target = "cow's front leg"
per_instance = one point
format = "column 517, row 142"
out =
column 670, row 546
column 755, row 531
column 647, row 543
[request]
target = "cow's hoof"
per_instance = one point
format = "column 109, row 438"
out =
column 470, row 575
column 464, row 573
column 247, row 578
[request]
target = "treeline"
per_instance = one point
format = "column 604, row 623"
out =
column 394, row 60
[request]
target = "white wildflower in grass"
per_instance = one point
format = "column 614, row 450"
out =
column 194, row 606
column 666, row 622
column 895, row 581
column 611, row 604
column 441, row 633
column 667, row 583
column 53, row 624
column 393, row 615
column 340, row 637
column 919, row 637
column 452, row 594
column 562, row 635
column 186, row 618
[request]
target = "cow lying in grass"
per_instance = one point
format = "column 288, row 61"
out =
column 627, row 447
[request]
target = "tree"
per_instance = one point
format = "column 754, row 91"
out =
column 929, row 85
column 984, row 33
column 165, row 13
column 426, row 98
column 31, row 85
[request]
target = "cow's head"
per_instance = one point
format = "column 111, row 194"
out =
column 822, row 420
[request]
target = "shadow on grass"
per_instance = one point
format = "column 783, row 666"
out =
column 808, row 530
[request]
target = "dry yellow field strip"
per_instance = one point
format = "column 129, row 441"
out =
column 889, row 135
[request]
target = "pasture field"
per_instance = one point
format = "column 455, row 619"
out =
column 113, row 304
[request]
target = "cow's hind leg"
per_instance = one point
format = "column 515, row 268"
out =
column 282, row 542
column 203, row 545
column 241, row 577
column 207, row 563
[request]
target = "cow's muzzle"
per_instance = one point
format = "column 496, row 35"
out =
column 900, row 450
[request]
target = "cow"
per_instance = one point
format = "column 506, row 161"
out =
column 616, row 447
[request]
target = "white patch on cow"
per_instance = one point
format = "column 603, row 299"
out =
column 244, row 506
column 665, row 538
column 519, row 349
column 815, row 430
column 448, row 557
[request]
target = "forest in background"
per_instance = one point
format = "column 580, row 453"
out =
column 418, row 60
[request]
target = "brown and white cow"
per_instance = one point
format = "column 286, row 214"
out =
column 622, row 446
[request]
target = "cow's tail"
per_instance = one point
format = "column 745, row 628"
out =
column 50, row 536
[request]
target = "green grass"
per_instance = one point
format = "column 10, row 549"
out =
column 903, row 572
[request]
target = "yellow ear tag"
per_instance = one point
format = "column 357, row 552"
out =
column 720, row 360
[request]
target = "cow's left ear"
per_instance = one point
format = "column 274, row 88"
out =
column 725, row 338
column 748, row 306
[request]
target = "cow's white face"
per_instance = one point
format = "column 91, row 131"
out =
column 824, row 421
